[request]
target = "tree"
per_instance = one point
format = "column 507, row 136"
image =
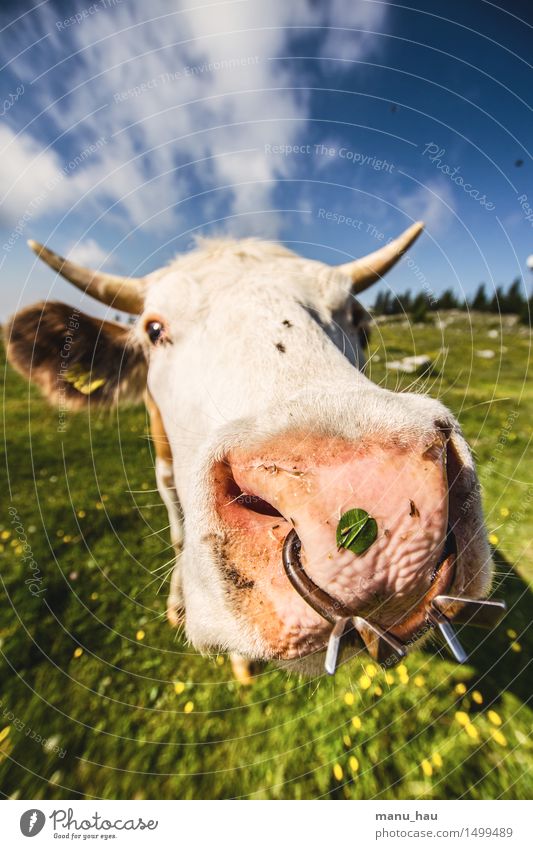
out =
column 497, row 300
column 480, row 301
column 526, row 312
column 404, row 302
column 380, row 304
column 513, row 300
column 419, row 308
column 447, row 300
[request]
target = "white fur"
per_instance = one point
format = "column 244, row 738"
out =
column 222, row 381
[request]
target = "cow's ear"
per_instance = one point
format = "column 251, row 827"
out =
column 75, row 358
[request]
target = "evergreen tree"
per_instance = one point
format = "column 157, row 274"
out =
column 526, row 312
column 480, row 301
column 404, row 302
column 419, row 309
column 447, row 300
column 513, row 300
column 497, row 300
column 377, row 309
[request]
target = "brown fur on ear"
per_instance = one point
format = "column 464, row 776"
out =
column 75, row 358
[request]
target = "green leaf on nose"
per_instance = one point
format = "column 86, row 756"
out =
column 356, row 531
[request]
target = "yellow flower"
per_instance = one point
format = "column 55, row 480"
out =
column 511, row 633
column 78, row 652
column 499, row 737
column 220, row 660
column 5, row 534
column 427, row 769
column 493, row 539
column 370, row 670
column 179, row 687
column 477, row 697
column 472, row 731
column 462, row 718
column 189, row 707
column 337, row 772
column 378, row 691
column 504, row 511
column 364, row 682
column 349, row 698
column 389, row 678
column 356, row 722
column 460, row 689
column 81, row 514
column 140, row 635
column 403, row 674
column 354, row 763
column 516, row 646
column 4, row 733
column 419, row 680
column 494, row 717
column 436, row 759
column 94, row 596
column 347, row 740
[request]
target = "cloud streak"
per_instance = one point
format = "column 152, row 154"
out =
column 209, row 90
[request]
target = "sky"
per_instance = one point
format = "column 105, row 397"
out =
column 128, row 128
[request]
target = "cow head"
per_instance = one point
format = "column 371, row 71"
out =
column 253, row 357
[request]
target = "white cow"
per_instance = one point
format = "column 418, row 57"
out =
column 263, row 422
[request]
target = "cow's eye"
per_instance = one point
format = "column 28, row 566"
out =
column 155, row 330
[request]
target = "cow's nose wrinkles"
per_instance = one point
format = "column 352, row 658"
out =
column 437, row 610
column 312, row 482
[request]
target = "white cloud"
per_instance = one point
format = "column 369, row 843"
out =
column 432, row 203
column 90, row 254
column 198, row 103
column 26, row 173
column 353, row 28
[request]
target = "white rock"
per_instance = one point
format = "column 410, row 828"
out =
column 410, row 365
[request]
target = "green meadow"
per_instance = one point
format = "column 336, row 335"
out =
column 101, row 699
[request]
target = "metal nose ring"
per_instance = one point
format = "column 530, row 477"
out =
column 381, row 645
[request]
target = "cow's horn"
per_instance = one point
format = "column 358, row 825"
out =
column 372, row 267
column 124, row 293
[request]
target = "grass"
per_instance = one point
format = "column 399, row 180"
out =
column 99, row 698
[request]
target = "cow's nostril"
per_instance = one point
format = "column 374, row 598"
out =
column 249, row 501
column 257, row 505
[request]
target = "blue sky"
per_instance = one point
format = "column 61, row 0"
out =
column 128, row 130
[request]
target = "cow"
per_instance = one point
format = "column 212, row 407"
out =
column 251, row 360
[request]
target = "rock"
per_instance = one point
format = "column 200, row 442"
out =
column 411, row 365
